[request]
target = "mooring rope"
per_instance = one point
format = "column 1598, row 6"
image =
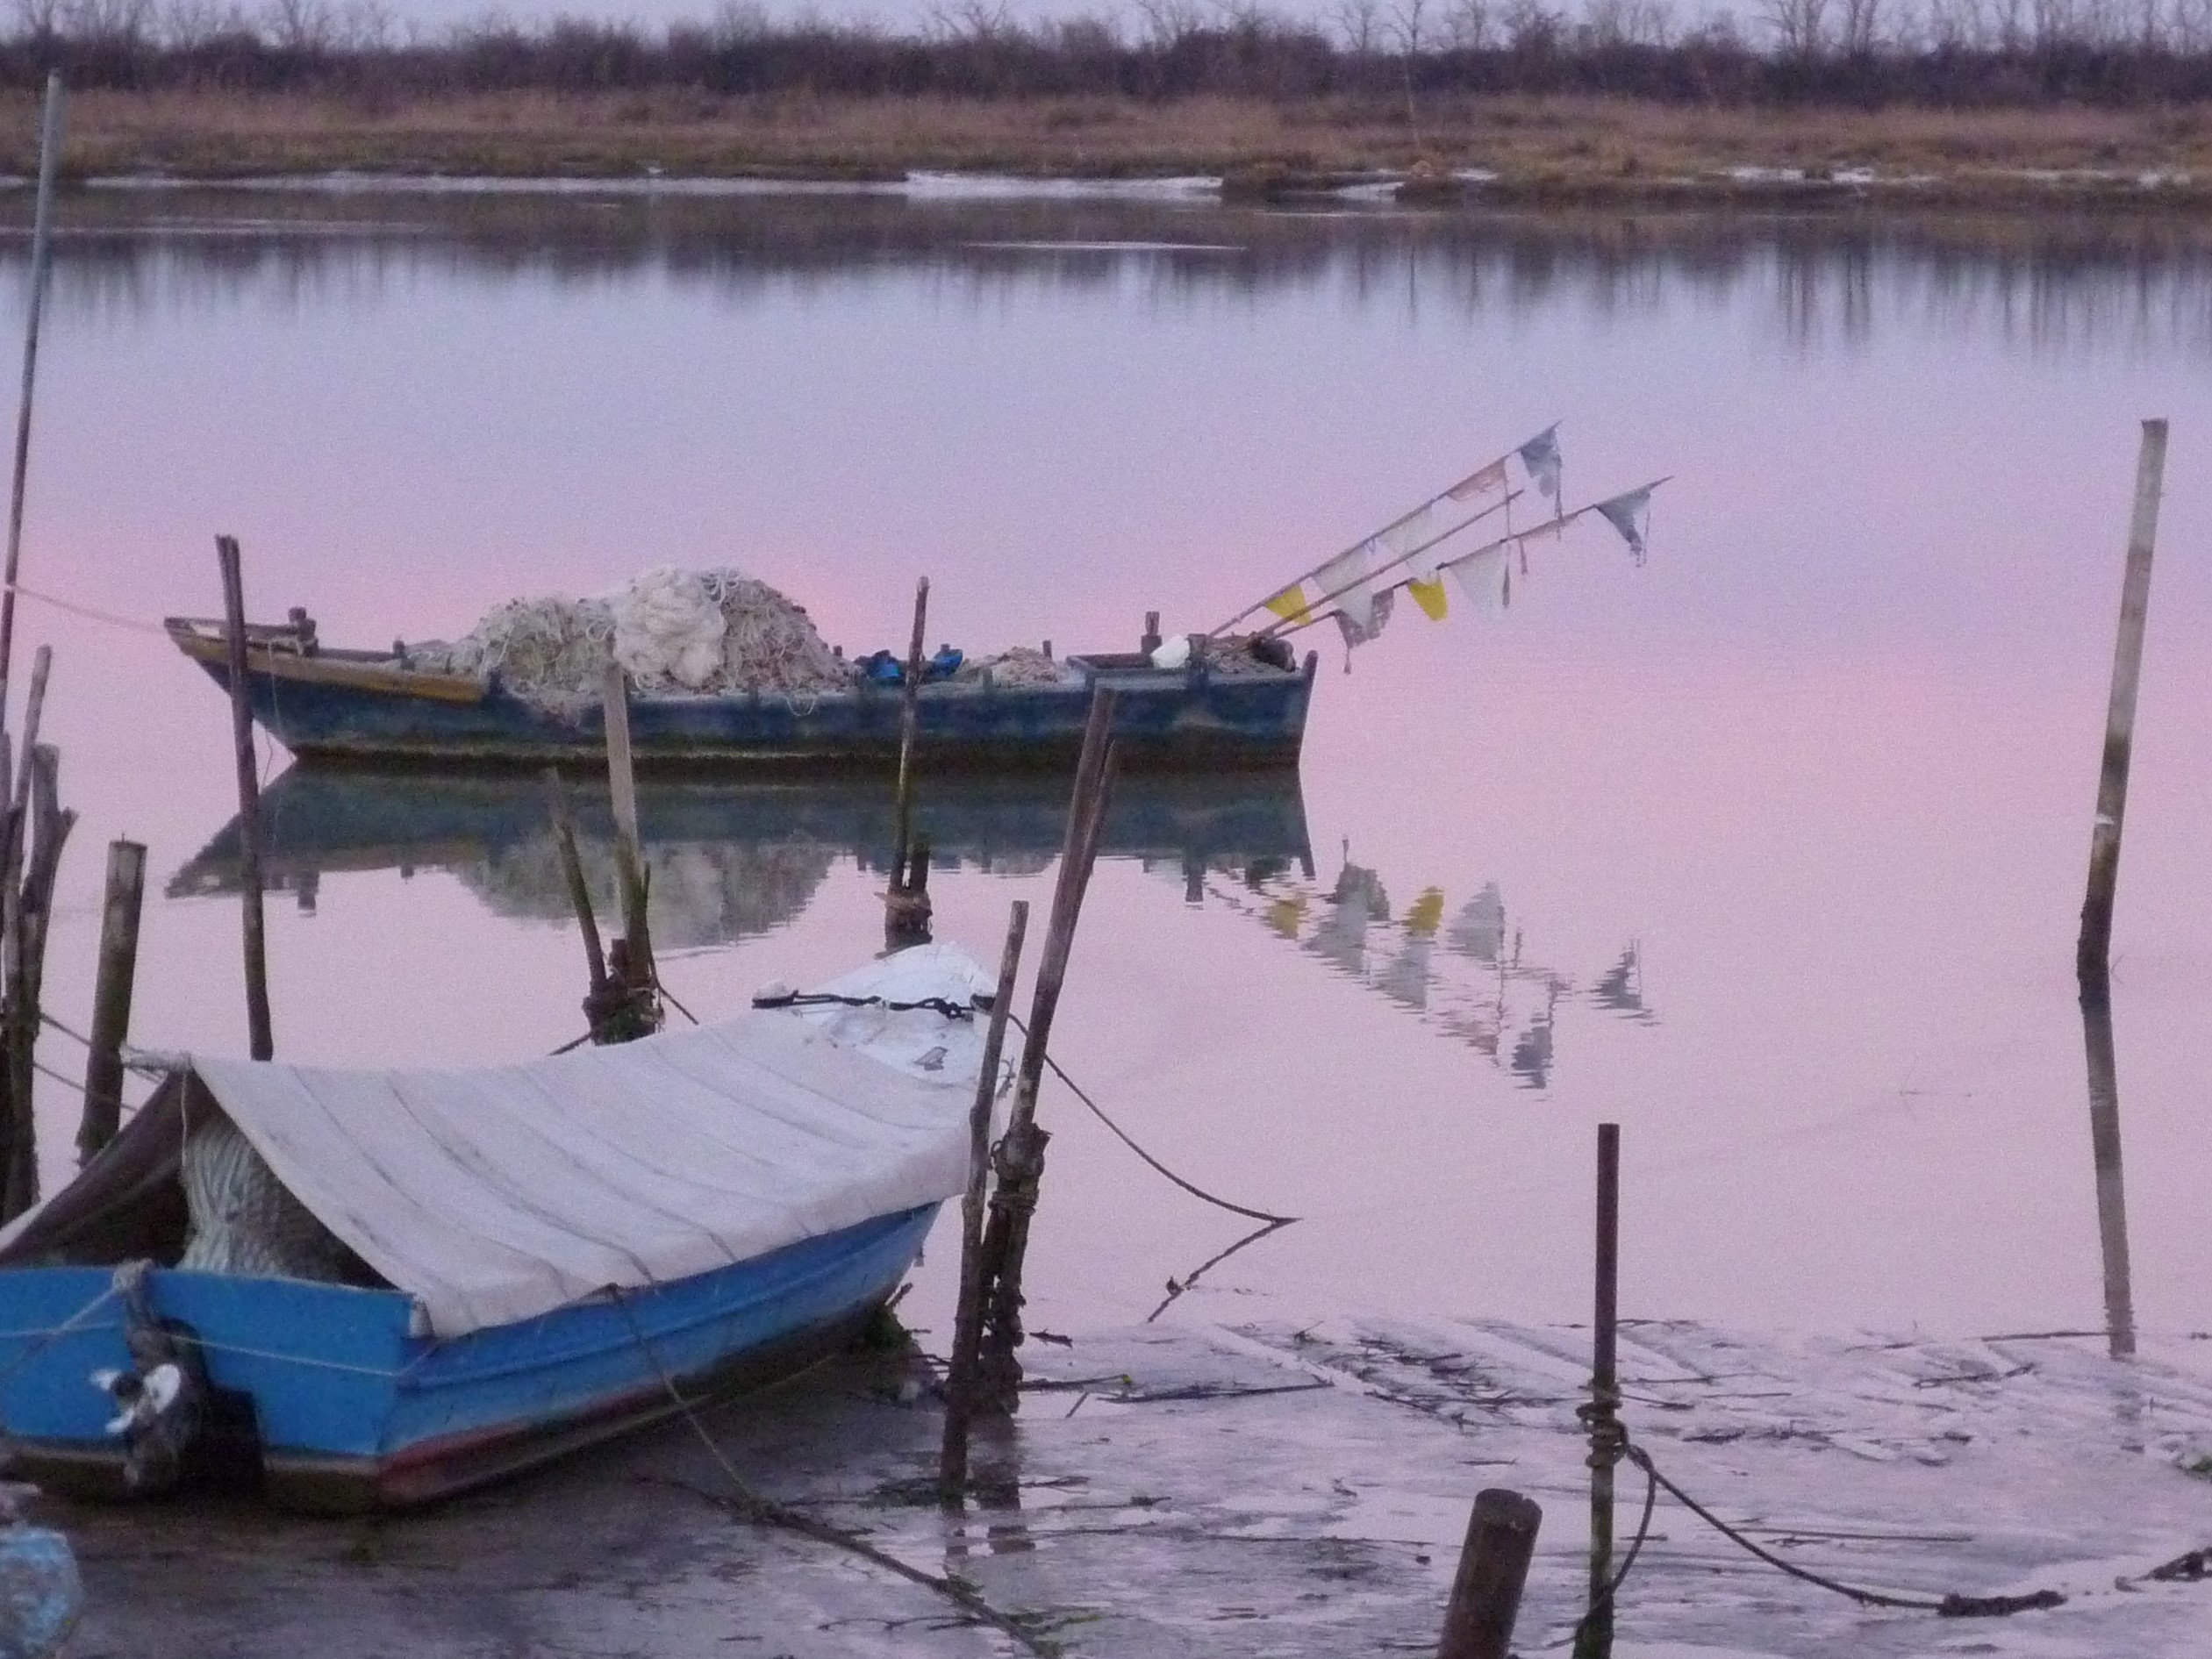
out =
column 1124, row 1136
column 943, row 1005
column 755, row 1505
column 135, row 623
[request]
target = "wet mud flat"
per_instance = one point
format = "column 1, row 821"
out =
column 1264, row 1489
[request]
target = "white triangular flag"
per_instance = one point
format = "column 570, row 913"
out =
column 1481, row 576
column 1405, row 545
column 1360, row 633
column 1345, row 576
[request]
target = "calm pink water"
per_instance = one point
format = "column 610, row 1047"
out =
column 1771, row 850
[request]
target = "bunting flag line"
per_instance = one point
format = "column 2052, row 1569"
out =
column 1358, row 632
column 1630, row 515
column 1290, row 605
column 1407, row 544
column 1541, row 456
column 1429, row 596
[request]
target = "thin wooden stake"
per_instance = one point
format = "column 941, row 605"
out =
column 1594, row 1637
column 1493, row 1569
column 960, row 1377
column 909, row 717
column 120, row 909
column 50, row 830
column 41, row 260
column 261, row 1043
column 629, row 844
column 17, row 825
column 2094, row 951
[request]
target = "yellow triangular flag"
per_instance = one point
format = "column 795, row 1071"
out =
column 1290, row 605
column 1429, row 596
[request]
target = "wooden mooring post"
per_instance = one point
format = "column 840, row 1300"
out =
column 30, row 911
column 1494, row 1570
column 630, row 1003
column 261, row 1043
column 120, row 909
column 1019, row 1160
column 967, row 1336
column 2112, row 1197
column 1593, row 1638
column 2093, row 953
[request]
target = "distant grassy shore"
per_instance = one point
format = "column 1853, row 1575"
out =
column 1532, row 149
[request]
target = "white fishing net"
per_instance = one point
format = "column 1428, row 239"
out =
column 1020, row 666
column 672, row 630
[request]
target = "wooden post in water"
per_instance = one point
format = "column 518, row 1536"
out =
column 1493, row 1569
column 564, row 846
column 633, row 978
column 261, row 1041
column 41, row 258
column 901, row 923
column 2111, row 1199
column 1019, row 1158
column 967, row 1336
column 120, row 909
column 50, row 829
column 1594, row 1637
column 17, row 827
column 2093, row 952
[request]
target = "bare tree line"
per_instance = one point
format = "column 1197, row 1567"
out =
column 2002, row 51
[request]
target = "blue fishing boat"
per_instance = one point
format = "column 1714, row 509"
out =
column 369, row 1290
column 1228, row 707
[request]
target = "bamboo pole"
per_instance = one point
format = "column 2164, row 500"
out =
column 2112, row 1195
column 120, row 908
column 960, row 1376
column 41, row 259
column 629, row 843
column 2094, row 951
column 262, row 1043
column 1019, row 1157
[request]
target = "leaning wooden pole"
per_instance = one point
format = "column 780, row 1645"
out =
column 261, row 1043
column 632, row 1005
column 120, row 909
column 2093, row 953
column 41, row 258
column 1019, row 1157
column 2112, row 1194
column 967, row 1335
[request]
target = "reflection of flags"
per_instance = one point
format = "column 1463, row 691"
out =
column 1377, row 609
column 1630, row 515
column 1345, row 576
column 1488, row 481
column 1482, row 578
column 1290, row 605
column 1429, row 596
column 1428, row 911
column 1541, row 456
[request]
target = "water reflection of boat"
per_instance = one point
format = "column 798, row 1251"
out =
column 730, row 859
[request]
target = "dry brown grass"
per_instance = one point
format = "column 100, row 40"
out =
column 1575, row 147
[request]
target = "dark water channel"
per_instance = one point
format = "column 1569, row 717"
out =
column 1769, row 848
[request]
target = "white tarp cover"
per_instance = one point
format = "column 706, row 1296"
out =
column 495, row 1195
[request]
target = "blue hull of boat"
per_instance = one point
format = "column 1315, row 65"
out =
column 1161, row 718
column 351, row 1412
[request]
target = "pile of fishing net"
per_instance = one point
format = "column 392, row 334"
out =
column 672, row 630
column 1019, row 667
